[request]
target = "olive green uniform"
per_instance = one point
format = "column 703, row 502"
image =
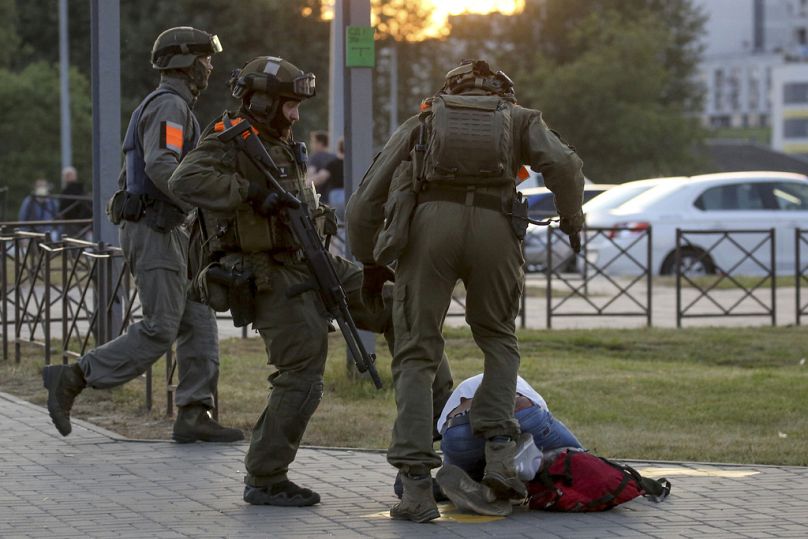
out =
column 215, row 177
column 451, row 240
column 159, row 263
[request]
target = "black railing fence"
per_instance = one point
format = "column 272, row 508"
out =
column 694, row 299
column 575, row 294
column 71, row 295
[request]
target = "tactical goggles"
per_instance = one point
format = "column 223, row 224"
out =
column 199, row 49
column 302, row 86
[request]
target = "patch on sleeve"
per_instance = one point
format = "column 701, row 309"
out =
column 522, row 174
column 171, row 137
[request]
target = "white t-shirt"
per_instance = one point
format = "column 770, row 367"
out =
column 467, row 388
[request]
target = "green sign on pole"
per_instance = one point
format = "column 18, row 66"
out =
column 360, row 50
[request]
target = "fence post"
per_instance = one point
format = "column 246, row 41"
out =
column 772, row 238
column 678, row 263
column 4, row 292
column 45, row 251
column 798, row 273
column 649, row 268
column 17, row 276
column 549, row 292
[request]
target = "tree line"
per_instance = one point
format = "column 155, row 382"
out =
column 615, row 77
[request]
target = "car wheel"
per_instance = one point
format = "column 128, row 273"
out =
column 694, row 262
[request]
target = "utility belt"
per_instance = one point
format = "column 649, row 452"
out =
column 514, row 207
column 158, row 215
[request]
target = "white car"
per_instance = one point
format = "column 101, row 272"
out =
column 726, row 201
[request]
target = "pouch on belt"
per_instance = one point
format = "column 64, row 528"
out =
column 398, row 210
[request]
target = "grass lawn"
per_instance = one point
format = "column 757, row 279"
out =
column 706, row 394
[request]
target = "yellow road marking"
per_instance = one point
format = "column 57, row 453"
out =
column 661, row 471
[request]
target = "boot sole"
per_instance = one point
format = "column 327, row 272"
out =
column 54, row 408
column 502, row 487
column 183, row 439
column 457, row 485
column 420, row 518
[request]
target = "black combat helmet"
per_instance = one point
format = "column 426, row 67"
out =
column 179, row 47
column 476, row 75
column 263, row 83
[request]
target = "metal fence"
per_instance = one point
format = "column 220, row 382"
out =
column 83, row 286
column 703, row 302
column 573, row 296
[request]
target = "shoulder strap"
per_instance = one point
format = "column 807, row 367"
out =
column 419, row 151
column 655, row 489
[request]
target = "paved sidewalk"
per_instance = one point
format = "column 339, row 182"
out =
column 97, row 484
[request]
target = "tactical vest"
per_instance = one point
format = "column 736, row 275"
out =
column 137, row 181
column 470, row 141
column 245, row 231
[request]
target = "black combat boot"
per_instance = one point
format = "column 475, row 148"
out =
column 63, row 383
column 194, row 423
column 417, row 503
column 284, row 493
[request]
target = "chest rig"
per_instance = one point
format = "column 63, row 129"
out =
column 245, row 231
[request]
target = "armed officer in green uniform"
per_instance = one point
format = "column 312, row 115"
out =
column 156, row 245
column 459, row 216
column 251, row 247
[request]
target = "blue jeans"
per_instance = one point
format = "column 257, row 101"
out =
column 461, row 448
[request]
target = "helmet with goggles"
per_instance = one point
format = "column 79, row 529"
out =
column 263, row 83
column 179, row 47
column 476, row 75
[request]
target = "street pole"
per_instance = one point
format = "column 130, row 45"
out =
column 336, row 95
column 64, row 83
column 105, row 39
column 358, row 121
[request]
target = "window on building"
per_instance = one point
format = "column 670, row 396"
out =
column 795, row 128
column 718, row 90
column 795, row 93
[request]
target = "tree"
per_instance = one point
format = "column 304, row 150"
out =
column 29, row 130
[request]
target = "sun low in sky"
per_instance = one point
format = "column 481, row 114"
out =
column 442, row 9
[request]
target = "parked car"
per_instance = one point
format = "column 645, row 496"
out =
column 726, row 201
column 541, row 206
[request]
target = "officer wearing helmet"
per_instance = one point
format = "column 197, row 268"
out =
column 251, row 248
column 446, row 180
column 157, row 243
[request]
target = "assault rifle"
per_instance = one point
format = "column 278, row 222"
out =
column 296, row 216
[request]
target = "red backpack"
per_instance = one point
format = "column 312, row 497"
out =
column 577, row 481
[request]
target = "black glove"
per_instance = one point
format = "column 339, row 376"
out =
column 267, row 203
column 573, row 232
column 373, row 279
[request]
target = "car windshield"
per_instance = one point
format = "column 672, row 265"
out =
column 614, row 197
column 649, row 197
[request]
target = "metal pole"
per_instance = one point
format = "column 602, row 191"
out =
column 106, row 90
column 393, row 86
column 4, row 292
column 336, row 94
column 549, row 269
column 798, row 273
column 64, row 81
column 774, row 276
column 650, row 270
column 358, row 107
column 678, row 262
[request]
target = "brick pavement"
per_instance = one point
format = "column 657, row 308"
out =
column 97, row 484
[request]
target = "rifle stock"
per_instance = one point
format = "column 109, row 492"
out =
column 314, row 253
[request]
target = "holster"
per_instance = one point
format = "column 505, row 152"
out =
column 125, row 206
column 519, row 220
column 230, row 289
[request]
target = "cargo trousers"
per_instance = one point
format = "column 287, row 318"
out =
column 295, row 332
column 159, row 263
column 448, row 242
